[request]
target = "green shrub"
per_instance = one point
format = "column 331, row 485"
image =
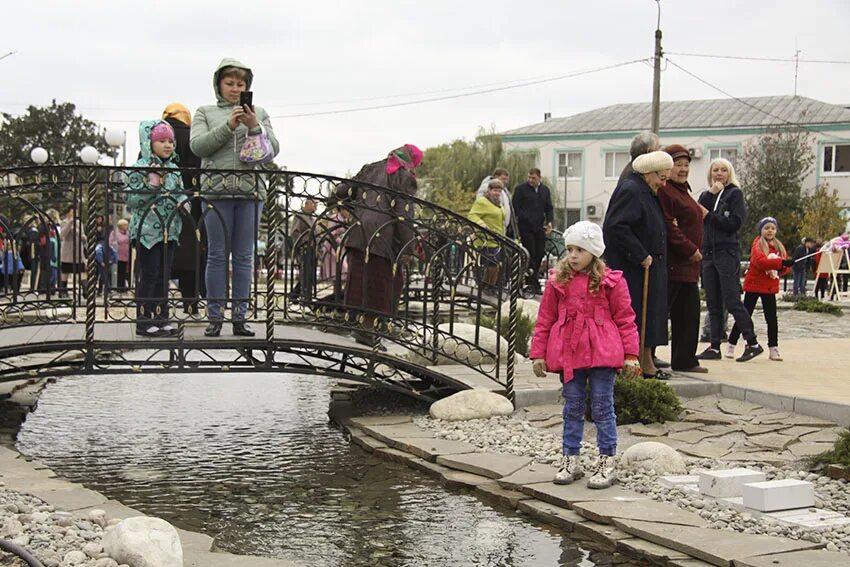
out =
column 814, row 305
column 839, row 455
column 645, row 401
column 524, row 330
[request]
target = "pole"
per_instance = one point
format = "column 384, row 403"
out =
column 656, row 78
column 566, row 176
column 643, row 310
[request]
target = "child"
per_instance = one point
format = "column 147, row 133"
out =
column 800, row 266
column 155, row 226
column 768, row 262
column 106, row 257
column 586, row 331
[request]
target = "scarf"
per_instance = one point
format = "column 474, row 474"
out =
column 408, row 157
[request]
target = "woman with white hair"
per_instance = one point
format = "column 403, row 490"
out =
column 636, row 240
column 721, row 264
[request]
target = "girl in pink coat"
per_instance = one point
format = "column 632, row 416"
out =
column 586, row 332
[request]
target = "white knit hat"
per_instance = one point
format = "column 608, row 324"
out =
column 653, row 161
column 587, row 235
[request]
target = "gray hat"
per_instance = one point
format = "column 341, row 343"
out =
column 587, row 235
column 653, row 161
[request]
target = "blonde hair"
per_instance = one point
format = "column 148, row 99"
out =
column 728, row 165
column 595, row 271
column 122, row 222
column 765, row 246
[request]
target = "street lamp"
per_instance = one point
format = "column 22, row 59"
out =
column 116, row 139
column 89, row 155
column 39, row 156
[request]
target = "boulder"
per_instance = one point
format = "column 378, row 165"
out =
column 653, row 456
column 527, row 306
column 471, row 404
column 465, row 348
column 144, row 542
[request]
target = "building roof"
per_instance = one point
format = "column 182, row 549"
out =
column 727, row 113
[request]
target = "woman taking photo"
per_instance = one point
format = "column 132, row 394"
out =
column 218, row 134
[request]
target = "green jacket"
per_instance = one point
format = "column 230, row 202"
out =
column 488, row 215
column 218, row 146
column 153, row 207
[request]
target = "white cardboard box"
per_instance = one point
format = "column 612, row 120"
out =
column 727, row 483
column 776, row 495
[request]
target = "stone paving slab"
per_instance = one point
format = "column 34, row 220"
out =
column 737, row 407
column 551, row 514
column 113, row 509
column 69, row 499
column 608, row 536
column 682, row 425
column 535, row 472
column 708, row 449
column 650, row 430
column 774, row 441
column 368, row 420
column 387, row 433
column 367, row 442
column 753, row 429
column 822, row 436
column 718, row 547
column 711, row 418
column 759, row 457
column 648, row 510
column 215, row 559
column 430, row 449
column 491, row 465
column 504, row 497
column 812, row 558
column 459, row 479
column 800, row 430
column 648, row 551
column 688, row 563
column 803, row 450
column 692, row 436
column 568, row 494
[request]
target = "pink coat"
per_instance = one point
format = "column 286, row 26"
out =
column 576, row 329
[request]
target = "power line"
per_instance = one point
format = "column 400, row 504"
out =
column 743, row 58
column 462, row 95
column 754, row 107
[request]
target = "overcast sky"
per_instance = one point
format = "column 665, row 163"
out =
column 121, row 62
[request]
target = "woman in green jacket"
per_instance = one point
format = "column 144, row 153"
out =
column 487, row 211
column 218, row 132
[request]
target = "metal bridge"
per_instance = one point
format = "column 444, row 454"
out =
column 449, row 330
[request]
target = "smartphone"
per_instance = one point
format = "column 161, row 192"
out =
column 246, row 98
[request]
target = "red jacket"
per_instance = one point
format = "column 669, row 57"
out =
column 757, row 279
column 684, row 236
column 576, row 329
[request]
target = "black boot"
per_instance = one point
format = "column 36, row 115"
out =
column 213, row 329
column 242, row 330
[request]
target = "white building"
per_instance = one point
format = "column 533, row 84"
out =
column 586, row 152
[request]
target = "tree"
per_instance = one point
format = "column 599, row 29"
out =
column 56, row 128
column 773, row 168
column 822, row 219
column 451, row 173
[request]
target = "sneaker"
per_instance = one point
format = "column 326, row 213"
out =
column 570, row 470
column 168, row 330
column 151, row 331
column 774, row 353
column 750, row 353
column 604, row 473
column 730, row 350
column 709, row 354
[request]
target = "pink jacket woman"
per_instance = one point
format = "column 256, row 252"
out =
column 576, row 329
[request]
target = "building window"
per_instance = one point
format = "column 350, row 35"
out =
column 569, row 165
column 614, row 163
column 730, row 154
column 836, row 159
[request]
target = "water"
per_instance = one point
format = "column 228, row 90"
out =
column 251, row 460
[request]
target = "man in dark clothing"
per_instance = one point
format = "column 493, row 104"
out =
column 683, row 219
column 532, row 203
column 800, row 265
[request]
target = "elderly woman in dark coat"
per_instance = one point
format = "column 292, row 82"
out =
column 636, row 240
column 378, row 244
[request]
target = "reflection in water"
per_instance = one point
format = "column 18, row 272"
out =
column 252, row 460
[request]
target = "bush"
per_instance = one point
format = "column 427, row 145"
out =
column 839, row 455
column 645, row 401
column 814, row 305
column 524, row 330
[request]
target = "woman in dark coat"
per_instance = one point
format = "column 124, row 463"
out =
column 378, row 245
column 636, row 239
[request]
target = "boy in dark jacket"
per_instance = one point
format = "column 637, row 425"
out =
column 800, row 265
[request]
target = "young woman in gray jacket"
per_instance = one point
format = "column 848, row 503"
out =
column 218, row 132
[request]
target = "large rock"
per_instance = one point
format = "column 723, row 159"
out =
column 652, row 456
column 144, row 542
column 465, row 349
column 471, row 404
column 527, row 306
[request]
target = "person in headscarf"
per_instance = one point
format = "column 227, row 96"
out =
column 380, row 243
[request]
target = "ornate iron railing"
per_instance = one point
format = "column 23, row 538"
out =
column 302, row 276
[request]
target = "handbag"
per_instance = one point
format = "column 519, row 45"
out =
column 256, row 149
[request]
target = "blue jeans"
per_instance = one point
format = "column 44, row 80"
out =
column 601, row 407
column 231, row 234
column 799, row 282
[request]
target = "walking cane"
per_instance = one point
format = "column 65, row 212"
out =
column 643, row 309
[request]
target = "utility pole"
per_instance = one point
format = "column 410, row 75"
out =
column 796, row 68
column 656, row 79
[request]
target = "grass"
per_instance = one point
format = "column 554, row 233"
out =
column 838, row 455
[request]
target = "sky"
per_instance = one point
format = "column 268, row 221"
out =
column 121, row 62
